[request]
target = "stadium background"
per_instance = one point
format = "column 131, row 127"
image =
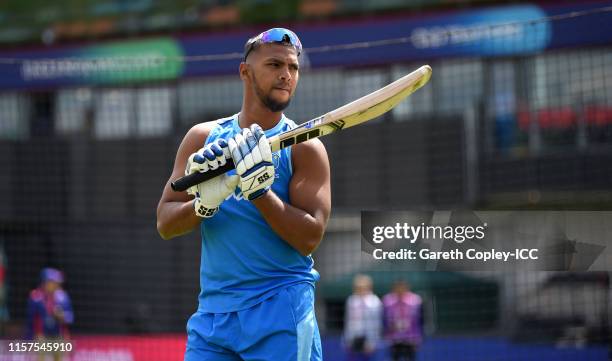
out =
column 95, row 97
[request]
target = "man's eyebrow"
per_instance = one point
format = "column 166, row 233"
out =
column 275, row 58
column 281, row 60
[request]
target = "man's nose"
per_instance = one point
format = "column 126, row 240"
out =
column 285, row 74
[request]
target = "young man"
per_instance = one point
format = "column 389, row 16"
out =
column 258, row 224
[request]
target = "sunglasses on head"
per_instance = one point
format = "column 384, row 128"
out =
column 275, row 35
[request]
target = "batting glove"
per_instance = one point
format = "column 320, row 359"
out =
column 209, row 194
column 253, row 159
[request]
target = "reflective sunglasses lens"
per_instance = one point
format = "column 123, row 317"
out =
column 278, row 35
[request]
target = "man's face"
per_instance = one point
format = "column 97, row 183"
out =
column 51, row 286
column 362, row 286
column 273, row 74
column 400, row 288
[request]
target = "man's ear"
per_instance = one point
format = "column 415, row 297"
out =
column 244, row 71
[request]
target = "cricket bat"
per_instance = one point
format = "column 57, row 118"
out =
column 359, row 111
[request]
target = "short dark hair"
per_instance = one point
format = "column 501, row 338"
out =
column 273, row 36
column 256, row 46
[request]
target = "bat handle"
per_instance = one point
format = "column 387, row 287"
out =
column 187, row 181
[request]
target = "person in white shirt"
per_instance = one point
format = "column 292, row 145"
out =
column 363, row 320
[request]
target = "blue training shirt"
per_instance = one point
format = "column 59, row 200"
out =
column 243, row 260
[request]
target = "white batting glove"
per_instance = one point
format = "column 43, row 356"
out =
column 209, row 194
column 252, row 156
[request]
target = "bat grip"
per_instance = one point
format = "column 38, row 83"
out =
column 187, row 181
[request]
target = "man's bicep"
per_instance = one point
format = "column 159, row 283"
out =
column 310, row 188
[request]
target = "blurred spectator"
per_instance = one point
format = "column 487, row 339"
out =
column 363, row 321
column 49, row 310
column 403, row 321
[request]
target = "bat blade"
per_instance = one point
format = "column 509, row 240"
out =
column 359, row 111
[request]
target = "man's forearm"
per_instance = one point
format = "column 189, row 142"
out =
column 297, row 227
column 176, row 218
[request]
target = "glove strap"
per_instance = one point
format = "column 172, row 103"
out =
column 257, row 194
column 203, row 211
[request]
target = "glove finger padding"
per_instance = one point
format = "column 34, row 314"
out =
column 262, row 143
column 216, row 155
column 253, row 145
column 239, row 150
column 211, row 193
column 195, row 163
column 252, row 156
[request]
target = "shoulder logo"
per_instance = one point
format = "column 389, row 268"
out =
column 224, row 121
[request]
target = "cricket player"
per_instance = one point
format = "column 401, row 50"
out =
column 259, row 224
